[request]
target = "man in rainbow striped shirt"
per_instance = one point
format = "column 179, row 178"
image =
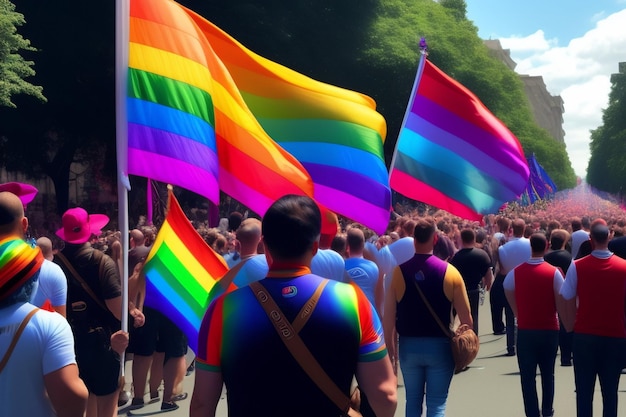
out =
column 592, row 304
column 239, row 346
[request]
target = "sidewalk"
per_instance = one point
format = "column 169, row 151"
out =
column 490, row 388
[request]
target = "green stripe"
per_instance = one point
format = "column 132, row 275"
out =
column 324, row 131
column 185, row 285
column 171, row 93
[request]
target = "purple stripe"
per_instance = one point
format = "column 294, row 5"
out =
column 496, row 147
column 376, row 218
column 173, row 171
column 362, row 187
column 161, row 142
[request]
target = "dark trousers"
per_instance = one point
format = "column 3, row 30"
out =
column 599, row 356
column 498, row 303
column 537, row 348
column 565, row 344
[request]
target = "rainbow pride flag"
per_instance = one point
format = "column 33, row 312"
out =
column 188, row 124
column 181, row 270
column 335, row 133
column 453, row 153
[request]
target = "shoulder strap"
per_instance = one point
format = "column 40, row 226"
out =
column 296, row 346
column 230, row 275
column 16, row 337
column 80, row 279
column 430, row 308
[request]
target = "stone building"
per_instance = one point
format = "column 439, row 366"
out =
column 547, row 109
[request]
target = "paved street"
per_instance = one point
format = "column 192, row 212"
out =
column 490, row 388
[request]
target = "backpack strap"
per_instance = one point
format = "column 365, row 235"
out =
column 80, row 279
column 16, row 337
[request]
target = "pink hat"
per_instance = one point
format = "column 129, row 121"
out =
column 78, row 226
column 25, row 192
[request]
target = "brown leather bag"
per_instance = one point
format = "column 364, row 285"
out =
column 464, row 342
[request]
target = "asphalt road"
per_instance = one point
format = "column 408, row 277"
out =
column 490, row 388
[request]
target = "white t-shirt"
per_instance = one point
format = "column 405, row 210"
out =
column 52, row 285
column 578, row 237
column 46, row 345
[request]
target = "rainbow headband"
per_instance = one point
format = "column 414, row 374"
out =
column 18, row 263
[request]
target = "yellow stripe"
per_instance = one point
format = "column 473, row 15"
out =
column 167, row 64
column 182, row 254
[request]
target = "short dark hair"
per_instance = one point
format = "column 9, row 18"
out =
column 291, row 225
column 538, row 242
column 468, row 236
column 424, row 229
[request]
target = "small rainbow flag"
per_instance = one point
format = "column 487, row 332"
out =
column 180, row 271
column 453, row 153
column 188, row 124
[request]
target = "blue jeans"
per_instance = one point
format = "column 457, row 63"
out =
column 427, row 367
column 601, row 356
column 537, row 348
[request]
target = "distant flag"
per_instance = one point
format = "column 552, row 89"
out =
column 452, row 152
column 181, row 270
column 540, row 186
column 337, row 134
column 187, row 122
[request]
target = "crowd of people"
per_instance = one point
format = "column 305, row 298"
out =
column 329, row 336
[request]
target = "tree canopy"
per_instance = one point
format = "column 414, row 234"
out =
column 607, row 165
column 14, row 69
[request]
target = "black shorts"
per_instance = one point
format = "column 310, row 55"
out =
column 98, row 364
column 158, row 334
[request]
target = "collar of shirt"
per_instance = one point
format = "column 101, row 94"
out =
column 602, row 253
column 535, row 261
column 287, row 270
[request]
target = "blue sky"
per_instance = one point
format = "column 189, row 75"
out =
column 575, row 45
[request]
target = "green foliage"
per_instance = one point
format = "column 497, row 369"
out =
column 607, row 165
column 13, row 67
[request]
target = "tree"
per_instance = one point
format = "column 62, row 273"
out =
column 14, row 69
column 607, row 165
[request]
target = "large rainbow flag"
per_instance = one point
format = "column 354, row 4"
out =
column 337, row 134
column 453, row 153
column 181, row 270
column 188, row 124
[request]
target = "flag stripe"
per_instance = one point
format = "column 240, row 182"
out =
column 169, row 144
column 324, row 131
column 376, row 217
column 407, row 185
column 171, row 93
column 196, row 179
column 336, row 177
column 333, row 156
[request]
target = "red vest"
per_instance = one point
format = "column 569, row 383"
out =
column 534, row 295
column 601, row 295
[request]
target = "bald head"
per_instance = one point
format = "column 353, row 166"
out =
column 137, row 237
column 12, row 220
column 355, row 239
column 249, row 236
column 46, row 247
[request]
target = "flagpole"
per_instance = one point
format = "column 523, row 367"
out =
column 122, row 13
column 420, row 68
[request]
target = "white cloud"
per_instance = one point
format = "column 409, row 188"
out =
column 579, row 72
